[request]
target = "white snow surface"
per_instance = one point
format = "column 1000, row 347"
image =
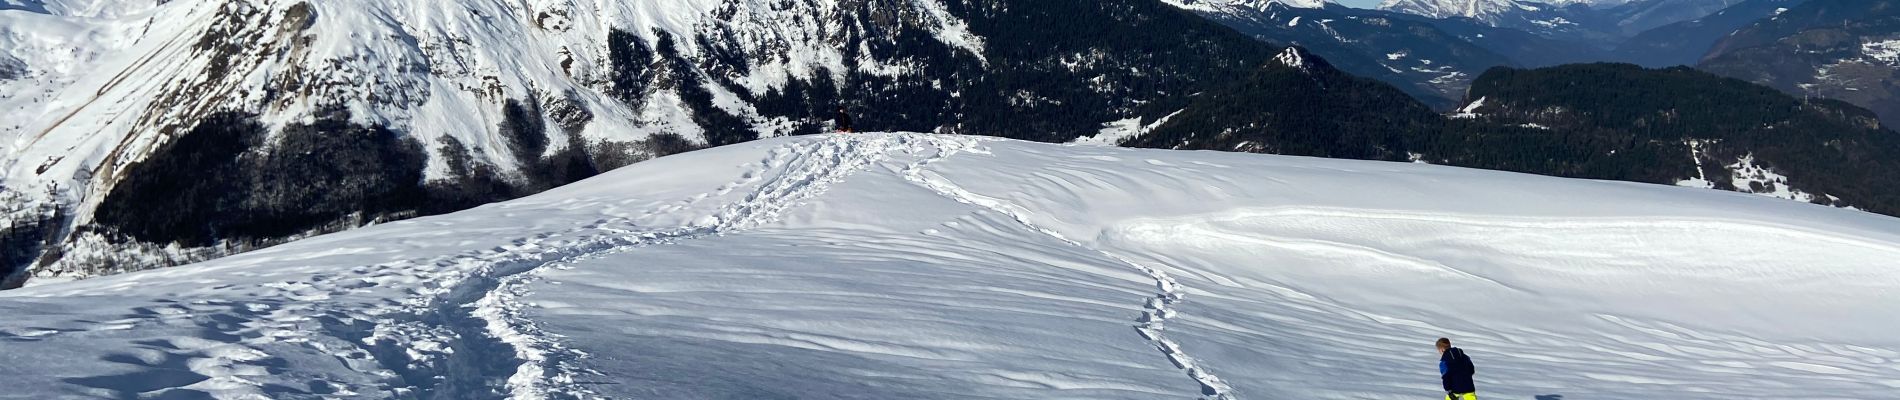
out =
column 1293, row 57
column 880, row 266
column 1470, row 110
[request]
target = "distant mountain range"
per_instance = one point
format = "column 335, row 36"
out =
column 1600, row 23
column 1686, row 42
column 1433, row 49
column 1838, row 49
column 1411, row 53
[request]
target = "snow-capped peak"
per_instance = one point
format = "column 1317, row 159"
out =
column 1478, row 9
column 1591, row 3
column 1231, row 6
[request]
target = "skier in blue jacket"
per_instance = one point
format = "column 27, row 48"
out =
column 1456, row 369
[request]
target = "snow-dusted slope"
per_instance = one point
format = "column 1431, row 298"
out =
column 1572, row 23
column 920, row 266
column 1591, row 3
column 1482, row 10
column 254, row 121
column 488, row 93
column 1240, row 6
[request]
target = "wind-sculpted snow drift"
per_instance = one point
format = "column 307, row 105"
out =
column 881, row 266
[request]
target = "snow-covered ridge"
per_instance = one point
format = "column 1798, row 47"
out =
column 1484, row 10
column 1591, row 3
column 926, row 266
column 1237, row 6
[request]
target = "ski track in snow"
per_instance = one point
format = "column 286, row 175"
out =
column 455, row 324
column 1159, row 308
column 548, row 370
column 544, row 368
column 461, row 334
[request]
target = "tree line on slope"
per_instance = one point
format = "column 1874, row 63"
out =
column 1596, row 121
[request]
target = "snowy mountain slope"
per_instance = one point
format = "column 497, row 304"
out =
column 452, row 77
column 1591, row 3
column 399, row 108
column 1577, row 23
column 1486, row 10
column 1523, row 47
column 1241, row 6
column 1602, row 25
column 929, row 266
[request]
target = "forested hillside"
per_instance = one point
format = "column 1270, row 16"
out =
column 1675, row 126
column 1624, row 122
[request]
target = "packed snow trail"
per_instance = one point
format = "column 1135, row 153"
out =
column 803, row 170
column 459, row 335
column 877, row 266
column 1160, row 308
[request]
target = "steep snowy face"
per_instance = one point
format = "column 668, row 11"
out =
column 1237, row 6
column 1483, row 10
column 428, row 70
column 921, row 266
column 260, row 120
column 1573, row 23
column 510, row 97
column 1591, row 3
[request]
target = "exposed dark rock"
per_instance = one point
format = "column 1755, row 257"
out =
column 11, row 68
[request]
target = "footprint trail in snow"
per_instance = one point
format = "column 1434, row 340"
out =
column 915, row 266
column 1159, row 308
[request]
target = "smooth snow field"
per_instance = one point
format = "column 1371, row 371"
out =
column 909, row 266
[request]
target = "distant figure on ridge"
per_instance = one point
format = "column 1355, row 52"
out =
column 1456, row 369
column 842, row 121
